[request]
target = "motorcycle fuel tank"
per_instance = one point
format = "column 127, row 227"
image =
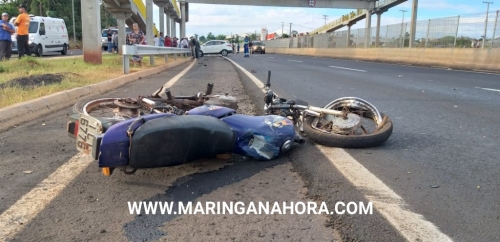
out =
column 261, row 137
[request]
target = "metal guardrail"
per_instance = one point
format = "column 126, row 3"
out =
column 141, row 50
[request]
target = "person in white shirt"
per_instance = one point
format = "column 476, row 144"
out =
column 184, row 43
column 156, row 40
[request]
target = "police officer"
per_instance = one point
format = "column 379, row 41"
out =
column 246, row 41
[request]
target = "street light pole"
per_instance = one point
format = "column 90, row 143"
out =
column 324, row 16
column 486, row 22
column 74, row 31
column 402, row 22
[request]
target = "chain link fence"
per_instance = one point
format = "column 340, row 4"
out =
column 463, row 31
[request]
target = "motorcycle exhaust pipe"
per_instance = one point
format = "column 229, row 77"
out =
column 298, row 138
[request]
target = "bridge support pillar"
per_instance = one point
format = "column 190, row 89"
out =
column 377, row 34
column 161, row 12
column 413, row 22
column 348, row 35
column 174, row 28
column 183, row 18
column 149, row 28
column 368, row 31
column 122, row 35
column 91, row 31
column 169, row 27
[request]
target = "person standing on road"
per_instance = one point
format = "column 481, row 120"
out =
column 196, row 48
column 245, row 46
column 238, row 47
column 23, row 24
column 110, row 40
column 6, row 30
column 250, row 46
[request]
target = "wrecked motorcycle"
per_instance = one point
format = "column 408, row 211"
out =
column 147, row 133
column 347, row 122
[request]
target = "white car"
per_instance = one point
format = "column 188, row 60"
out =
column 216, row 47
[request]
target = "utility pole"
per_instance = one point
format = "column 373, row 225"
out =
column 282, row 26
column 74, row 31
column 402, row 22
column 324, row 17
column 290, row 33
column 486, row 22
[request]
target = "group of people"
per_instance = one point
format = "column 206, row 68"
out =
column 7, row 29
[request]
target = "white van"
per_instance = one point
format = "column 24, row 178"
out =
column 46, row 34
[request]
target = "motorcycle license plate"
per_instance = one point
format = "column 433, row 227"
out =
column 89, row 129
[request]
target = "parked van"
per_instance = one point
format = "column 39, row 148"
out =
column 46, row 34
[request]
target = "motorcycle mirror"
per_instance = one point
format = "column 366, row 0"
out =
column 268, row 83
column 269, row 97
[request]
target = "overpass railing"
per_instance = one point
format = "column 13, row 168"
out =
column 463, row 31
column 143, row 50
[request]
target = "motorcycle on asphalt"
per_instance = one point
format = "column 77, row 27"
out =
column 152, row 132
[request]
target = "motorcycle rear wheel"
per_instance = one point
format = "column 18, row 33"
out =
column 109, row 109
column 362, row 127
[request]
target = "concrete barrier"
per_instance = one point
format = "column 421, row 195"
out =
column 457, row 58
column 29, row 110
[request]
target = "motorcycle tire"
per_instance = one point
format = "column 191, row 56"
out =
column 349, row 141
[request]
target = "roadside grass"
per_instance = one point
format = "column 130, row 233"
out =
column 75, row 73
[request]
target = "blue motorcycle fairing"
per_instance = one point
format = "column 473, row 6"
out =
column 115, row 144
column 212, row 110
column 260, row 137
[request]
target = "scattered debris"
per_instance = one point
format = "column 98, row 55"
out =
column 28, row 172
column 434, row 186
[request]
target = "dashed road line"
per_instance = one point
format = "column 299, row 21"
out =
column 295, row 60
column 338, row 67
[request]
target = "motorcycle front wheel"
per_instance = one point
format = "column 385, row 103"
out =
column 360, row 126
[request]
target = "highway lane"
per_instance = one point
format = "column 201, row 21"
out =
column 446, row 132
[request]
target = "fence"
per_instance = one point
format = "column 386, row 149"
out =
column 458, row 31
column 142, row 50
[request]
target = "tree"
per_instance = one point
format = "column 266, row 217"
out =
column 203, row 39
column 221, row 37
column 285, row 35
column 252, row 36
column 210, row 36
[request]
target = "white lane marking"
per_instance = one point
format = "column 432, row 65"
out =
column 489, row 89
column 28, row 206
column 411, row 225
column 295, row 60
column 270, row 57
column 347, row 68
column 178, row 76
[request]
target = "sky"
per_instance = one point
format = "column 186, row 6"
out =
column 237, row 19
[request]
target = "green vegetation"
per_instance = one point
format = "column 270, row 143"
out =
column 72, row 71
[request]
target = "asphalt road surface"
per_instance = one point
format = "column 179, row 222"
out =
column 50, row 193
column 435, row 179
column 442, row 158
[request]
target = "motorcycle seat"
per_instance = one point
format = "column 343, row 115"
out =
column 180, row 139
